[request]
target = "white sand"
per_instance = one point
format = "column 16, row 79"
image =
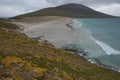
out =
column 55, row 31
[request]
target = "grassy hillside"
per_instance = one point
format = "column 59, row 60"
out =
column 68, row 10
column 22, row 58
column 7, row 25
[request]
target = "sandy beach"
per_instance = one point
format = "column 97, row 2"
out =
column 58, row 30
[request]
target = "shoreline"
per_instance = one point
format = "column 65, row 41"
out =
column 56, row 31
column 68, row 26
column 96, row 62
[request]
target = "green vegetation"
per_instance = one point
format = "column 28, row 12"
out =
column 8, row 25
column 22, row 58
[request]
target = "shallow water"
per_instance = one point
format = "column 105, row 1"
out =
column 103, row 43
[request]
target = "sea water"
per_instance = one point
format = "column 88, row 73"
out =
column 103, row 44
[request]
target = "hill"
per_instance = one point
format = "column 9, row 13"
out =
column 67, row 10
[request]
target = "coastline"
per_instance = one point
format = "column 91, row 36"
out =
column 95, row 60
column 65, row 32
column 56, row 31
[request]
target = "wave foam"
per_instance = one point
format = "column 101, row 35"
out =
column 108, row 49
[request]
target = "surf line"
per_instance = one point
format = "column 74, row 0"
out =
column 108, row 49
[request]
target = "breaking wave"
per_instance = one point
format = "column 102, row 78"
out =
column 108, row 49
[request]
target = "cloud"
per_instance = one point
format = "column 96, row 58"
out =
column 113, row 9
column 9, row 8
column 6, row 11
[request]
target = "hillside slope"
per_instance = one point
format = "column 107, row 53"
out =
column 68, row 10
column 22, row 58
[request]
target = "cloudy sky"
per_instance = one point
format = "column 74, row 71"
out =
column 9, row 8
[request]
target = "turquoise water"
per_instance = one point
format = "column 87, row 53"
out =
column 104, row 42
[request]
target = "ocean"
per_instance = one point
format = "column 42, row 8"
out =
column 103, row 42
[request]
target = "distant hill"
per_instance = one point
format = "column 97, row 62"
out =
column 67, row 10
